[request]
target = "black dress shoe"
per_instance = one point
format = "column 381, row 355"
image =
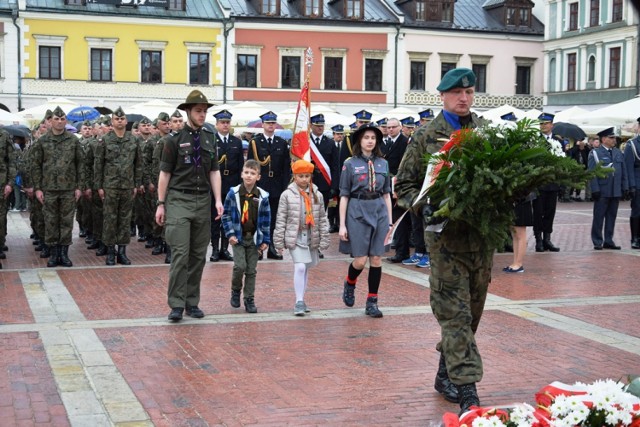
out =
column 176, row 314
column 611, row 246
column 215, row 256
column 273, row 254
column 225, row 255
column 320, row 255
column 397, row 258
column 597, row 248
column 194, row 311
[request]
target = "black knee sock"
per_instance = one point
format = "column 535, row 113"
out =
column 352, row 275
column 375, row 274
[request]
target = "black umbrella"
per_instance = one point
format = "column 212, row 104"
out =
column 568, row 130
column 131, row 118
column 17, row 130
column 103, row 110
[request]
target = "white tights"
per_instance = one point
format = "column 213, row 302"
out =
column 300, row 278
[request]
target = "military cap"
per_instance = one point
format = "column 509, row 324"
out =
column 353, row 126
column 269, row 117
column 318, row 119
column 338, row 129
column 177, row 114
column 106, row 121
column 48, row 114
column 363, row 116
column 195, row 97
column 154, row 123
column 546, row 117
column 86, row 123
column 607, row 132
column 145, row 121
column 223, row 115
column 426, row 114
column 510, row 117
column 382, row 122
column 409, row 122
column 135, row 125
column 458, row 77
column 118, row 112
column 58, row 112
column 164, row 117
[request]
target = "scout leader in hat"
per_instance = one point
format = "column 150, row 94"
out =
column 346, row 151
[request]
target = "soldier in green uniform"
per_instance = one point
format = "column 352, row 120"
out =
column 145, row 199
column 92, row 191
column 189, row 170
column 83, row 210
column 118, row 174
column 177, row 121
column 7, row 181
column 58, row 177
column 460, row 262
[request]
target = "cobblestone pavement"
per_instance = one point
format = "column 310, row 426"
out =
column 90, row 345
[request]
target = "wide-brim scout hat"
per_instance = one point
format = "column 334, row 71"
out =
column 195, row 97
column 357, row 135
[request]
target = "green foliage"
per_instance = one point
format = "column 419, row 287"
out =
column 492, row 168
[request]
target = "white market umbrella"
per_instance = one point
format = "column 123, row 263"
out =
column 569, row 114
column 287, row 117
column 619, row 115
column 495, row 113
column 35, row 114
column 7, row 118
column 151, row 109
column 243, row 112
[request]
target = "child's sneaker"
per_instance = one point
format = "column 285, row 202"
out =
column 299, row 308
column 412, row 260
column 424, row 262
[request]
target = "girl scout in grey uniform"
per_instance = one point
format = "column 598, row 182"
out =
column 365, row 213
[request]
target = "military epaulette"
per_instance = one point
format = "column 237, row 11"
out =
column 206, row 129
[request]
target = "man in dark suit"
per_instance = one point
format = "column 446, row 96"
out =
column 607, row 192
column 333, row 213
column 231, row 159
column 272, row 152
column 393, row 148
column 328, row 157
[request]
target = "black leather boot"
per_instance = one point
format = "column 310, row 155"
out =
column 235, row 299
column 102, row 249
column 53, row 256
column 250, row 305
column 111, row 255
column 468, row 397
column 83, row 232
column 63, row 256
column 634, row 222
column 89, row 239
column 157, row 249
column 215, row 252
column 151, row 242
column 539, row 244
column 45, row 252
column 548, row 246
column 225, row 255
column 167, row 257
column 272, row 253
column 94, row 244
column 122, row 255
column 132, row 229
column 443, row 384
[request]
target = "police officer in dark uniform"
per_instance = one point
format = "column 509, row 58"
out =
column 632, row 164
column 231, row 160
column 408, row 126
column 272, row 152
column 189, row 172
column 330, row 154
column 333, row 213
column 426, row 116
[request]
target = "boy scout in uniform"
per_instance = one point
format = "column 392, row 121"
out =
column 189, row 171
column 460, row 262
column 118, row 174
column 58, row 177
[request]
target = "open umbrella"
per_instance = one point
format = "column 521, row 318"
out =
column 17, row 130
column 568, row 130
column 81, row 113
column 103, row 110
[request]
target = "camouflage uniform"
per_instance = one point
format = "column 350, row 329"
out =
column 150, row 197
column 57, row 172
column 158, row 148
column 460, row 261
column 83, row 212
column 7, row 177
column 97, row 217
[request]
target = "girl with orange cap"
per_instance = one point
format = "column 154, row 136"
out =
column 302, row 227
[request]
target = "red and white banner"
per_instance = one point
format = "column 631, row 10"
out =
column 300, row 143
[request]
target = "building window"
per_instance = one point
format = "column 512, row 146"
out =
column 480, row 70
column 573, row 16
column 591, row 69
column 594, row 19
column 313, row 8
column 552, row 75
column 447, row 11
column 269, row 7
column 518, row 16
column 571, row 71
column 198, row 68
column 373, row 75
column 49, row 60
column 523, row 80
column 421, row 10
column 177, row 5
column 354, row 9
column 438, row 11
column 418, row 71
column 291, row 72
column 247, row 70
column 616, row 14
column 614, row 67
column 445, row 67
column 151, row 67
column 332, row 73
column 101, row 65
column 74, row 2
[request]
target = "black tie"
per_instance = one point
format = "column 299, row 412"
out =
column 225, row 140
column 389, row 141
column 317, row 141
column 269, row 141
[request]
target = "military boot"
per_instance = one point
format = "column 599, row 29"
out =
column 151, row 242
column 539, row 244
column 468, row 397
column 53, row 256
column 83, row 232
column 225, row 255
column 215, row 252
column 250, row 305
column 45, row 252
column 63, row 256
column 89, row 239
column 548, row 246
column 157, row 249
column 102, row 249
column 443, row 384
column 167, row 257
column 122, row 255
column 635, row 232
column 235, row 299
column 111, row 255
column 142, row 236
column 94, row 243
column 132, row 229
column 372, row 307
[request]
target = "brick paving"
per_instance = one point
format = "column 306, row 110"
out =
column 73, row 340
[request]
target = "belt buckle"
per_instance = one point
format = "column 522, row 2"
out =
column 270, row 174
column 225, row 172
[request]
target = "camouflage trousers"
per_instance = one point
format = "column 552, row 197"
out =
column 459, row 284
column 117, row 216
column 36, row 218
column 150, row 206
column 97, row 214
column 3, row 221
column 58, row 210
column 83, row 213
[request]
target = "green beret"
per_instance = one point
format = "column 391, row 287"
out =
column 164, row 117
column 458, row 77
column 145, row 121
column 48, row 114
column 58, row 112
column 177, row 114
column 119, row 112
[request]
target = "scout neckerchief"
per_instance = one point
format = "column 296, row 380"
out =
column 372, row 175
column 246, row 207
column 308, row 217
